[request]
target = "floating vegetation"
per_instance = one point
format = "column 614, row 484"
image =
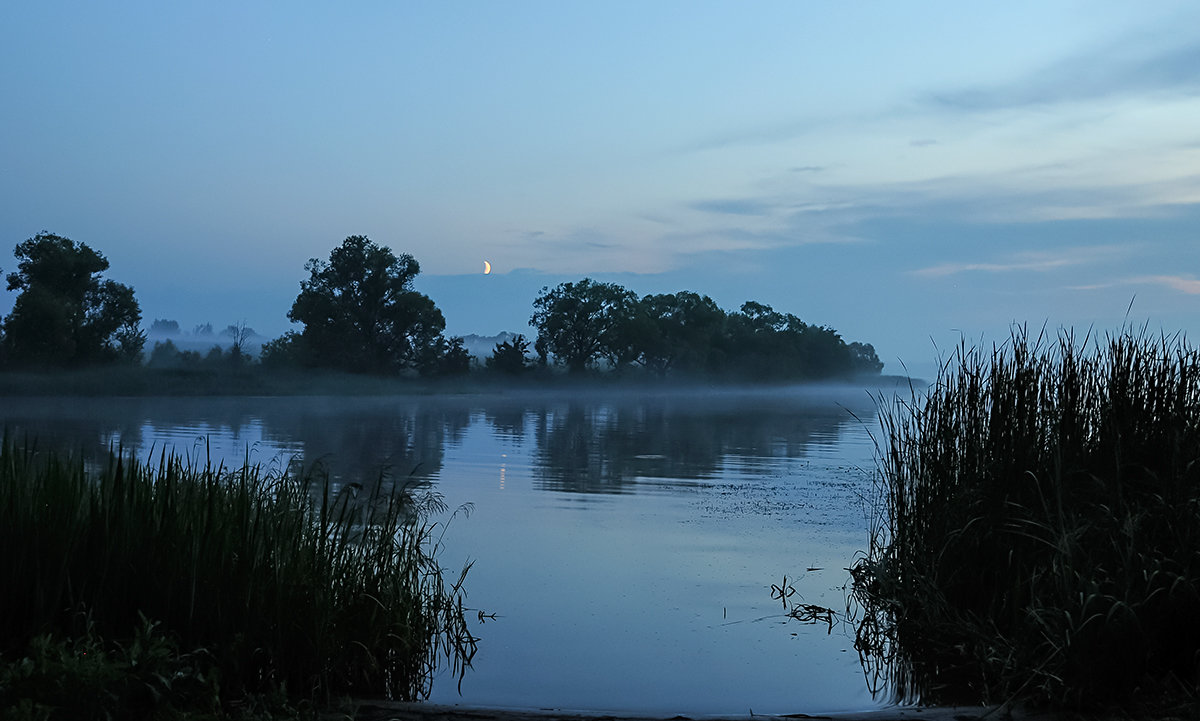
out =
column 808, row 614
column 255, row 582
column 1039, row 530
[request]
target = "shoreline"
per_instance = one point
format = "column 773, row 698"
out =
column 381, row 710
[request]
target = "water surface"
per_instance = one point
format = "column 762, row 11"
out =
column 626, row 542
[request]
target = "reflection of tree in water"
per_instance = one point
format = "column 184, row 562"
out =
column 507, row 420
column 357, row 438
column 607, row 446
column 585, row 445
column 601, row 449
column 360, row 439
column 87, row 427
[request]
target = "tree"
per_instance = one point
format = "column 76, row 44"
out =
column 864, row 360
column 65, row 313
column 450, row 359
column 361, row 314
column 510, row 356
column 162, row 326
column 676, row 331
column 282, row 352
column 580, row 322
column 753, row 345
column 238, row 334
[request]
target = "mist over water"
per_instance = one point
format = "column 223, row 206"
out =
column 627, row 541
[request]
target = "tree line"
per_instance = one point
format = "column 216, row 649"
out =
column 358, row 312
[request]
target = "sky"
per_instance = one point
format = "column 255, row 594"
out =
column 911, row 174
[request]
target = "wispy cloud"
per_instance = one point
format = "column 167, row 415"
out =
column 1103, row 72
column 1183, row 284
column 1040, row 266
column 734, row 206
column 1035, row 193
column 766, row 135
column 1035, row 262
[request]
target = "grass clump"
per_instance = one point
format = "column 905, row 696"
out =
column 1040, row 530
column 174, row 586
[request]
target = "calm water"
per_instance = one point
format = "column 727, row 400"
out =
column 626, row 543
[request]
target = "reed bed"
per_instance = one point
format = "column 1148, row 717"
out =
column 1039, row 534
column 271, row 582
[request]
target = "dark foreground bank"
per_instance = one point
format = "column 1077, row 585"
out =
column 385, row 711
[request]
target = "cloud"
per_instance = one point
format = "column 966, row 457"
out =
column 1035, row 193
column 1036, row 262
column 944, row 269
column 734, row 206
column 769, row 135
column 1104, row 72
column 1183, row 284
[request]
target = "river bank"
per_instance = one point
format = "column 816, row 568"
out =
column 391, row 711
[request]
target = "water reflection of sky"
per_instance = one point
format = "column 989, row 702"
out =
column 627, row 545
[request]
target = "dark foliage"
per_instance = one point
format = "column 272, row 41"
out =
column 65, row 314
column 582, row 322
column 285, row 582
column 162, row 326
column 166, row 355
column 361, row 314
column 1040, row 536
column 688, row 334
column 510, row 356
column 447, row 358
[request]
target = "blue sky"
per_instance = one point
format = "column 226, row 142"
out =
column 907, row 173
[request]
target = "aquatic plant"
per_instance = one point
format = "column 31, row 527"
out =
column 283, row 581
column 1039, row 527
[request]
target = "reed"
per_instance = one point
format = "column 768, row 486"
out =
column 1039, row 534
column 284, row 583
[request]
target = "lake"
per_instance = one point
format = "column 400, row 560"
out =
column 626, row 541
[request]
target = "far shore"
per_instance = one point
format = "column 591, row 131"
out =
column 257, row 381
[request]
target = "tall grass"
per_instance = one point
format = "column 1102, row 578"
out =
column 283, row 583
column 1040, row 528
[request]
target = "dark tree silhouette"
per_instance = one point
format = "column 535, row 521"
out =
column 581, row 322
column 676, row 331
column 864, row 360
column 510, row 356
column 447, row 358
column 239, row 334
column 162, row 326
column 361, row 314
column 65, row 313
column 762, row 343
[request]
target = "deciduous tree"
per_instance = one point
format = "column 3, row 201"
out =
column 677, row 331
column 65, row 313
column 360, row 312
column 509, row 356
column 580, row 322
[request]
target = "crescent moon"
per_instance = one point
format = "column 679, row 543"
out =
column 487, row 267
